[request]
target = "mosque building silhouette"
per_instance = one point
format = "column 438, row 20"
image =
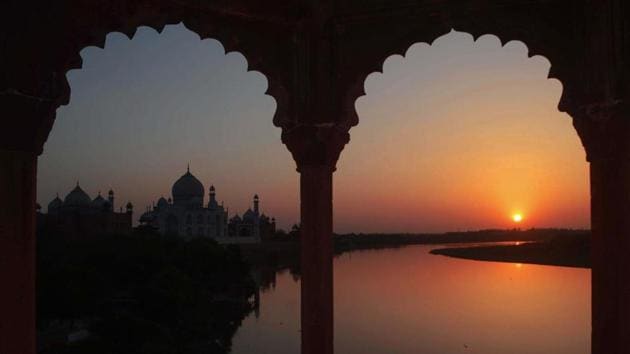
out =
column 183, row 215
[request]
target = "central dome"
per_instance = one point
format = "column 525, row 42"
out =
column 188, row 190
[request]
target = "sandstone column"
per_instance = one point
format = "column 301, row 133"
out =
column 610, row 210
column 605, row 132
column 316, row 150
column 316, row 259
column 17, row 252
column 26, row 122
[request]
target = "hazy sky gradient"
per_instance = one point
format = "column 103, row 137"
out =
column 456, row 135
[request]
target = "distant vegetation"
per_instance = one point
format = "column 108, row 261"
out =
column 139, row 294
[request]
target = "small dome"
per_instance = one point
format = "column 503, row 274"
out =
column 162, row 203
column 129, row 205
column 188, row 189
column 236, row 218
column 77, row 197
column 55, row 204
column 99, row 201
column 212, row 188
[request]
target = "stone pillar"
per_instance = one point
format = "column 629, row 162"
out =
column 26, row 122
column 610, row 217
column 605, row 132
column 316, row 259
column 316, row 150
column 17, row 252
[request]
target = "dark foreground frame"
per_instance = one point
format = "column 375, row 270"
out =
column 316, row 55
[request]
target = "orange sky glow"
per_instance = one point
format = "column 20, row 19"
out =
column 461, row 135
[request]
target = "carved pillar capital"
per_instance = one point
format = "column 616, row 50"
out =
column 604, row 128
column 315, row 145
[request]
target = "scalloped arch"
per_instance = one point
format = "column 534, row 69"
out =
column 402, row 48
column 103, row 46
column 230, row 39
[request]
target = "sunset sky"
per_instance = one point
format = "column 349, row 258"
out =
column 456, row 135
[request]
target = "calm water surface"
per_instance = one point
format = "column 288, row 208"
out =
column 404, row 301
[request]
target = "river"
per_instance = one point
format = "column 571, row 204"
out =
column 407, row 301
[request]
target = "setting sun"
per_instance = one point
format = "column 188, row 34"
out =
column 517, row 217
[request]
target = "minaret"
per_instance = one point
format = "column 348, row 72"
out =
column 110, row 199
column 212, row 200
column 256, row 202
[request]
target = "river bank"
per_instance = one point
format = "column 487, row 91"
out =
column 542, row 246
column 567, row 252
